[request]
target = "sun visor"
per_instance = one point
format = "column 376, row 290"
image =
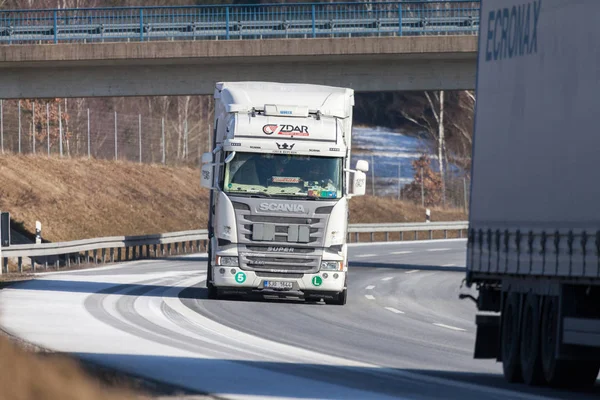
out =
column 264, row 127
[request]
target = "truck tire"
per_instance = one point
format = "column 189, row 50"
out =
column 531, row 360
column 212, row 292
column 556, row 372
column 340, row 299
column 510, row 346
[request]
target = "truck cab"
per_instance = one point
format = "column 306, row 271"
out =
column 280, row 180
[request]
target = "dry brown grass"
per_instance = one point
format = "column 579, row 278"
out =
column 28, row 376
column 369, row 209
column 79, row 199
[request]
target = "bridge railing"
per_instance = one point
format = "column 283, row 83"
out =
column 124, row 248
column 226, row 22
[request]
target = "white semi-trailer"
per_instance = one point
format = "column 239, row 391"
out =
column 280, row 181
column 534, row 238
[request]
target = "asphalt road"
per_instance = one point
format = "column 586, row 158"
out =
column 403, row 333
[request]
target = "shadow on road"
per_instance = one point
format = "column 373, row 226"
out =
column 264, row 379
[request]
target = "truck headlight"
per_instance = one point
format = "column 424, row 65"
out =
column 227, row 261
column 331, row 265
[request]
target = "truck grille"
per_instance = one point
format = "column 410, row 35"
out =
column 280, row 244
column 279, row 263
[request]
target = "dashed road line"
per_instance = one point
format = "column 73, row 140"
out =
column 369, row 297
column 438, row 249
column 389, row 278
column 370, row 287
column 449, row 327
column 401, row 252
column 392, row 309
column 365, row 255
column 412, row 271
column 449, row 265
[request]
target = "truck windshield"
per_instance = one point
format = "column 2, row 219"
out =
column 284, row 175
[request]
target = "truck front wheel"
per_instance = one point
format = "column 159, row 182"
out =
column 213, row 293
column 339, row 299
column 511, row 364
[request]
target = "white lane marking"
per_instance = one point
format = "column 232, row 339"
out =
column 370, row 287
column 401, row 252
column 449, row 327
column 412, row 271
column 369, row 297
column 389, row 278
column 445, row 249
column 392, row 309
column 449, row 265
column 365, row 255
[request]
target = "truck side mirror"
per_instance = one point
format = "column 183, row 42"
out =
column 359, row 183
column 362, row 165
column 206, row 178
column 5, row 229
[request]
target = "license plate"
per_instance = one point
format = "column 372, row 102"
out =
column 278, row 285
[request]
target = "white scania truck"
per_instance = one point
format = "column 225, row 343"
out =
column 280, row 181
column 534, row 236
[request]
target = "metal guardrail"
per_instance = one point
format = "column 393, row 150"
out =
column 225, row 22
column 402, row 228
column 125, row 248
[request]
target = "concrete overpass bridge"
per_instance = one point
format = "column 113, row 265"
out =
column 184, row 50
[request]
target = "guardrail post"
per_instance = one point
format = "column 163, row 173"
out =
column 55, row 27
column 387, row 236
column 227, row 23
column 401, row 235
column 460, row 233
column 416, row 235
column 57, row 264
column 371, row 236
column 112, row 255
column 314, row 28
column 445, row 234
column 95, row 256
column 103, row 256
column 68, row 261
column 430, row 235
column 141, row 24
column 356, row 237
column 20, row 264
column 32, row 264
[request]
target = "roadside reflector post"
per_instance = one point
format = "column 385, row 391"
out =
column 38, row 232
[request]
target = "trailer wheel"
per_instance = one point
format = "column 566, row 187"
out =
column 511, row 366
column 531, row 363
column 556, row 372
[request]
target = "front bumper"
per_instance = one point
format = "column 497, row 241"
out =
column 236, row 279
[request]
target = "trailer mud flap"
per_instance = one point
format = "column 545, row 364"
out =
column 487, row 341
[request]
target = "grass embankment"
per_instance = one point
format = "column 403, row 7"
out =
column 79, row 198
